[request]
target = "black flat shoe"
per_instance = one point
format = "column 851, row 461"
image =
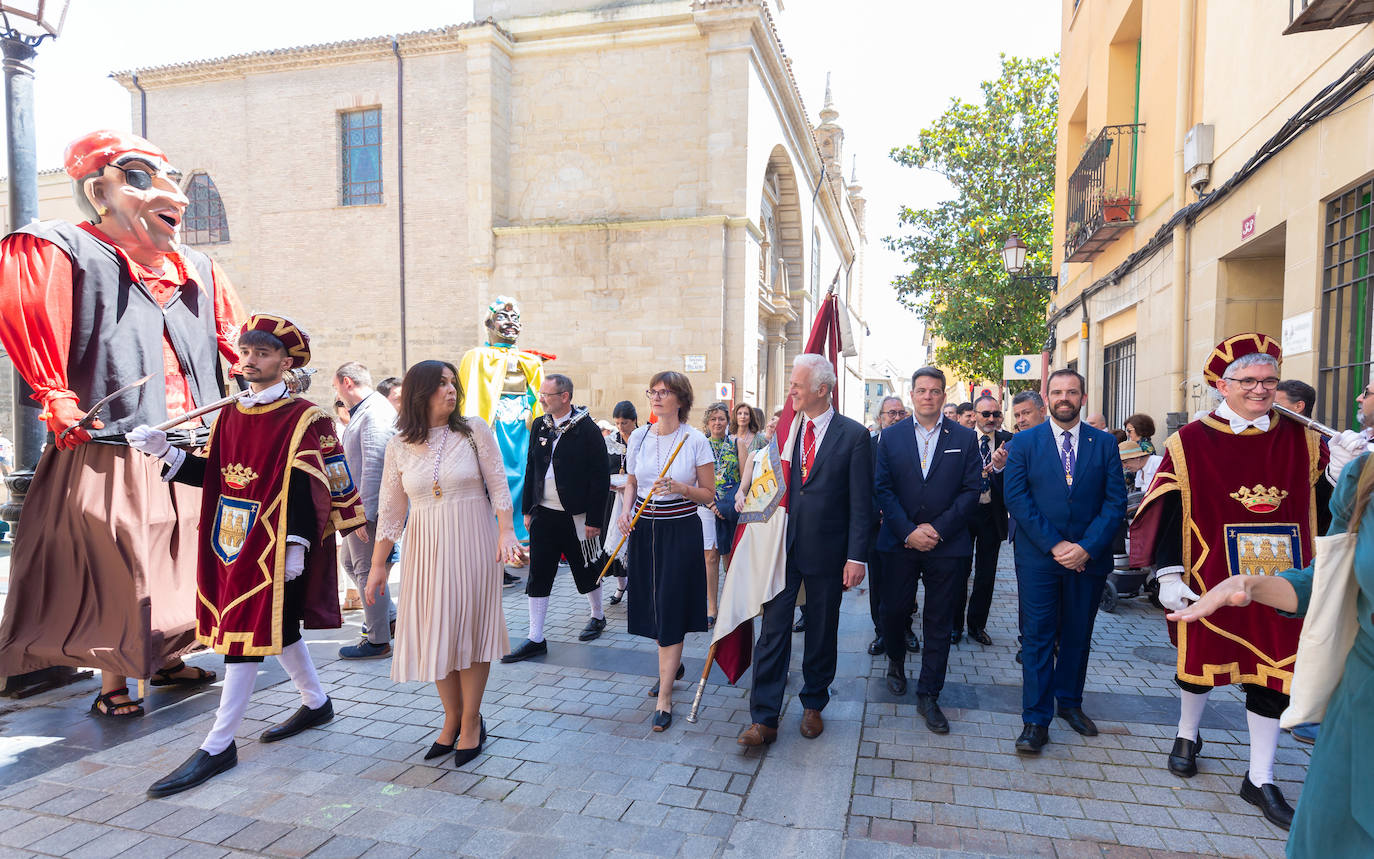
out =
column 913, row 644
column 662, row 719
column 800, row 625
column 464, row 756
column 876, row 646
column 1183, row 756
column 896, row 678
column 956, row 636
column 592, row 630
column 302, row 720
column 1033, row 738
column 981, row 636
column 1269, row 800
column 197, row 769
column 929, row 707
column 681, row 670
column 1078, row 720
column 527, row 650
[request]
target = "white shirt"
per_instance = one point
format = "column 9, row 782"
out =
column 551, row 499
column 821, row 423
column 1073, row 439
column 647, row 452
column 926, row 442
column 1238, row 423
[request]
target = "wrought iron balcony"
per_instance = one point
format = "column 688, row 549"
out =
column 1101, row 192
column 1305, row 16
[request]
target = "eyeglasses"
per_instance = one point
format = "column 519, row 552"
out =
column 895, row 413
column 991, row 414
column 1365, row 393
column 136, row 177
column 1268, row 384
column 658, row 394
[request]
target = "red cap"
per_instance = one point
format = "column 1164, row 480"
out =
column 292, row 336
column 94, row 151
column 1236, row 347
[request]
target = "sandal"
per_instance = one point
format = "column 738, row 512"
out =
column 618, row 596
column 164, row 677
column 111, row 705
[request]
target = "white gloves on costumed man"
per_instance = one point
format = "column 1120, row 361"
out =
column 1344, row 448
column 1173, row 593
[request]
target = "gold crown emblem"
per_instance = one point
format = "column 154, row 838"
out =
column 1260, row 499
column 328, row 441
column 238, row 476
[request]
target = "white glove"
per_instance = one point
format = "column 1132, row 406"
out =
column 295, row 560
column 146, row 439
column 1173, row 593
column 1344, row 448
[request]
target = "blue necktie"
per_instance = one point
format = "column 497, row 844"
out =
column 986, row 451
column 1066, row 454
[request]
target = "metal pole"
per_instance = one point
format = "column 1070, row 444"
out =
column 29, row 431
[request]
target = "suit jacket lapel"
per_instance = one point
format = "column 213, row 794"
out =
column 937, row 450
column 1052, row 442
column 826, row 446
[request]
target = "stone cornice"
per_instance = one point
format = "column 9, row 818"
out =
column 439, row 40
column 626, row 224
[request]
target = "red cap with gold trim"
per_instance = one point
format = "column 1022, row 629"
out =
column 90, row 153
column 1237, row 346
column 292, row 336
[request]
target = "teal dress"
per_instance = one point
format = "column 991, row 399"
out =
column 1335, row 815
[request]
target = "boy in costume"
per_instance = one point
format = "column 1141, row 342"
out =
column 276, row 489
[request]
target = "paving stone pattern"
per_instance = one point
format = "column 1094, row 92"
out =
column 572, row 769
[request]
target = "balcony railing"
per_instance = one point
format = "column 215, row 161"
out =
column 1305, row 16
column 1101, row 192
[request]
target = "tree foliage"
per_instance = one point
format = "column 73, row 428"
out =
column 999, row 157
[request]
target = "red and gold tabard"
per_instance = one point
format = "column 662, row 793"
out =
column 1249, row 508
column 253, row 454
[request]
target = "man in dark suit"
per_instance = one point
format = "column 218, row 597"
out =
column 890, row 412
column 988, row 524
column 829, row 522
column 1063, row 486
column 567, row 479
column 926, row 480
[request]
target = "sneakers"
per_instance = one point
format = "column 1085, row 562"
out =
column 365, row 650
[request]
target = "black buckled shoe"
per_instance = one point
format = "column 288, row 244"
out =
column 301, row 720
column 896, row 678
column 1269, row 800
column 1078, row 720
column 592, row 630
column 197, row 769
column 527, row 650
column 929, row 707
column 1183, row 756
column 1033, row 738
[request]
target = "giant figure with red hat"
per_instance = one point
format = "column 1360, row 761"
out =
column 102, row 573
column 276, row 492
column 1237, row 494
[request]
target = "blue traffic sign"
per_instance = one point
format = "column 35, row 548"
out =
column 1022, row 366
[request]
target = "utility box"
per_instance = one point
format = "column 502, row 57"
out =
column 1197, row 156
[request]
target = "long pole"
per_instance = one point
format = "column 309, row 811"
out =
column 701, row 684
column 623, row 537
column 1310, row 423
column 29, row 431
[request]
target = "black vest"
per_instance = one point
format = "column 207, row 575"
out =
column 118, row 328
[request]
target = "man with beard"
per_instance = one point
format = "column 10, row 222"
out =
column 103, row 570
column 1063, row 485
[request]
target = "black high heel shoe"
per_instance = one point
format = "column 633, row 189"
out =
column 438, row 750
column 464, row 756
column 619, row 595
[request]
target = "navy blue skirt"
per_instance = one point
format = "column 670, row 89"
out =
column 667, row 595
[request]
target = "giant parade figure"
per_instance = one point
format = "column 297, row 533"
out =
column 103, row 568
column 501, row 385
column 1236, row 494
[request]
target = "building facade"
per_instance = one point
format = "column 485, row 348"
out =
column 1214, row 176
column 642, row 177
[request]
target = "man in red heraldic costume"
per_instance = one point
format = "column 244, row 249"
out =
column 276, row 491
column 86, row 309
column 1237, row 494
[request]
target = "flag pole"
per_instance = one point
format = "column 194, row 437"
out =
column 623, row 537
column 701, row 684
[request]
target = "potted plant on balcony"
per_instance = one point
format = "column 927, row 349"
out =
column 1116, row 205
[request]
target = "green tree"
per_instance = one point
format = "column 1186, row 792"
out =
column 998, row 154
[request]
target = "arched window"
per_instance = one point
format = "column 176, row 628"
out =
column 204, row 223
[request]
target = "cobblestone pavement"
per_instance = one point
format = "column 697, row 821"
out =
column 572, row 769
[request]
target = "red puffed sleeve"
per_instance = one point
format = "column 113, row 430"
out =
column 229, row 316
column 36, row 312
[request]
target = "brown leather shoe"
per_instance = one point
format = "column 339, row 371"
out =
column 757, row 735
column 811, row 724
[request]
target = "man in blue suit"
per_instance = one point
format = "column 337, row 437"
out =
column 1063, row 486
column 926, row 482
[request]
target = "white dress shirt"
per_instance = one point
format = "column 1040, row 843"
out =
column 551, row 499
column 1238, row 423
column 1073, row 432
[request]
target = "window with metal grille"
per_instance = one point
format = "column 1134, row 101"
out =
column 1347, row 307
column 1118, row 382
column 205, row 223
column 361, row 140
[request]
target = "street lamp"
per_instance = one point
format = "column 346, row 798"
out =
column 1014, row 259
column 23, row 27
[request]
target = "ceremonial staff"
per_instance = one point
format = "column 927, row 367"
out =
column 652, row 489
column 701, row 684
column 297, row 382
column 1306, row 421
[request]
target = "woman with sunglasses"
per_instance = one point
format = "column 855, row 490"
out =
column 667, row 563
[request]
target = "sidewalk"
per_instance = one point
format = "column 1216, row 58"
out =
column 572, row 769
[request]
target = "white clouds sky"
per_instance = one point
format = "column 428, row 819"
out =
column 894, row 66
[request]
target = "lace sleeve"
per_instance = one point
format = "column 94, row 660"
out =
column 392, row 504
column 493, row 468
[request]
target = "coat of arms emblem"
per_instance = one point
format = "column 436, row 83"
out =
column 234, row 518
column 340, row 480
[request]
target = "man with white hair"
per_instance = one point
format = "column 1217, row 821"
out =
column 829, row 526
column 1235, row 495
